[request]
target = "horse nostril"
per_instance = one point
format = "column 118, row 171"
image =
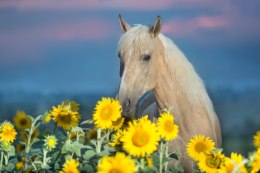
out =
column 126, row 107
column 127, row 103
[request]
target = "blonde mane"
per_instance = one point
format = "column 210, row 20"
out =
column 188, row 80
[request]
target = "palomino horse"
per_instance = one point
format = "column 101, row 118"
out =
column 151, row 61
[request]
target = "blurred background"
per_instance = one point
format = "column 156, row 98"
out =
column 51, row 51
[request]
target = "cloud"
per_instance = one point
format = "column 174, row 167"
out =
column 91, row 29
column 28, row 43
column 188, row 27
column 87, row 4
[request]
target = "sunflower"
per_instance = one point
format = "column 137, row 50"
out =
column 117, row 139
column 166, row 127
column 22, row 121
column 140, row 138
column 7, row 132
column 119, row 163
column 19, row 147
column 117, row 124
column 92, row 134
column 24, row 137
column 47, row 118
column 257, row 140
column 107, row 110
column 70, row 166
column 211, row 162
column 50, row 142
column 19, row 166
column 65, row 115
column 149, row 162
column 233, row 162
column 5, row 144
column 198, row 145
column 255, row 167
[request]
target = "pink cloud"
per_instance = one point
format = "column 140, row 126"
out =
column 191, row 26
column 29, row 43
column 87, row 4
column 94, row 29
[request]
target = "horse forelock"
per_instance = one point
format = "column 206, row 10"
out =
column 134, row 38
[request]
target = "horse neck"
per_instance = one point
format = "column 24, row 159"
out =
column 179, row 88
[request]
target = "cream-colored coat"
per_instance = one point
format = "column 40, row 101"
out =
column 176, row 85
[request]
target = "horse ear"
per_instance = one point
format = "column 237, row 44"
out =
column 124, row 25
column 156, row 28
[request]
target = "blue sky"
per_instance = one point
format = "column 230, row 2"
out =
column 70, row 46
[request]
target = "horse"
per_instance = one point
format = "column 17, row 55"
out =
column 150, row 61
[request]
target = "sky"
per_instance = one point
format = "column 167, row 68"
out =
column 71, row 46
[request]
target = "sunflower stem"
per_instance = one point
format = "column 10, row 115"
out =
column 161, row 157
column 1, row 160
column 167, row 155
column 44, row 163
column 99, row 140
column 6, row 159
column 29, row 140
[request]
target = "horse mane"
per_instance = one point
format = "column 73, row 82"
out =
column 184, row 74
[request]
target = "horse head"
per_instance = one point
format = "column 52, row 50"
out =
column 139, row 51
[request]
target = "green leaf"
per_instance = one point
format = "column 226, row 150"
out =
column 89, row 147
column 11, row 151
column 77, row 130
column 109, row 149
column 76, row 147
column 73, row 147
column 89, row 154
column 177, row 169
column 87, row 122
column 87, row 168
column 10, row 167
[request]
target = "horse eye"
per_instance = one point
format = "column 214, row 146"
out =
column 146, row 57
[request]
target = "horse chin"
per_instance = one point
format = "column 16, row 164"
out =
column 130, row 113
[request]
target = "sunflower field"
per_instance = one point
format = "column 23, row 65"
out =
column 108, row 143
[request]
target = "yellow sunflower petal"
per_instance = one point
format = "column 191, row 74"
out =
column 106, row 112
column 255, row 167
column 166, row 127
column 117, row 138
column 70, row 166
column 211, row 162
column 50, row 142
column 7, row 132
column 199, row 144
column 119, row 163
column 140, row 138
column 21, row 120
column 65, row 115
column 235, row 162
column 257, row 140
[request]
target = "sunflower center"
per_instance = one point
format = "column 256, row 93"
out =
column 65, row 119
column 51, row 143
column 200, row 147
column 23, row 122
column 168, row 126
column 213, row 162
column 106, row 113
column 115, row 170
column 140, row 138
